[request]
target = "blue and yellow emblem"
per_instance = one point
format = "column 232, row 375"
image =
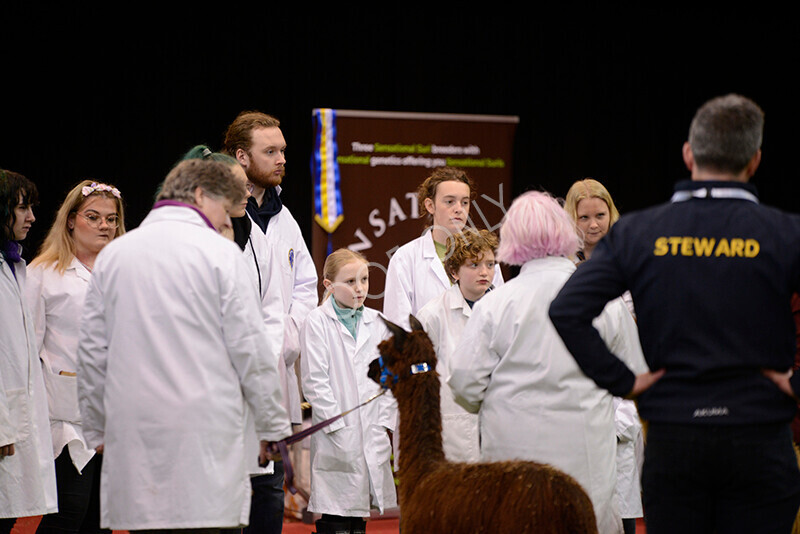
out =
column 325, row 170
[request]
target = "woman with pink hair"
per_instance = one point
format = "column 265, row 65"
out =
column 534, row 401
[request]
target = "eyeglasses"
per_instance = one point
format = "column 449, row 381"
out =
column 94, row 220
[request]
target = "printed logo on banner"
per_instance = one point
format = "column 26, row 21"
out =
column 371, row 163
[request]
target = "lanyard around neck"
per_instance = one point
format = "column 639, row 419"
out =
column 714, row 192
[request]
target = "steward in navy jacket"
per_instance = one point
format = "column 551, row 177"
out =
column 711, row 274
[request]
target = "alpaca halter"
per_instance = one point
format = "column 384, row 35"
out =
column 416, row 368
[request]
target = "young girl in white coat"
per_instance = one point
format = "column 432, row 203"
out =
column 350, row 458
column 90, row 217
column 470, row 264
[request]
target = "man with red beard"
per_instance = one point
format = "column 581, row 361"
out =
column 256, row 141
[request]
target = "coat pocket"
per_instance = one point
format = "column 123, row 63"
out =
column 338, row 451
column 62, row 397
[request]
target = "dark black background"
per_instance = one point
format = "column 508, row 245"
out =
column 118, row 96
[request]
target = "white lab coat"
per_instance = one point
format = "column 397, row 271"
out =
column 350, row 458
column 630, row 455
column 262, row 264
column 444, row 319
column 416, row 275
column 298, row 288
column 56, row 304
column 534, row 401
column 171, row 347
column 28, row 477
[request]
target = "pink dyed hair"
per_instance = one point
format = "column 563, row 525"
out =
column 536, row 226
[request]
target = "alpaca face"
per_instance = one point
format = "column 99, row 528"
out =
column 403, row 354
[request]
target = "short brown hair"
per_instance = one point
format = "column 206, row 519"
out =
column 240, row 132
column 427, row 189
column 468, row 245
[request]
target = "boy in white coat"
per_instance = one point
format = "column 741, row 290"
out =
column 350, row 458
column 470, row 264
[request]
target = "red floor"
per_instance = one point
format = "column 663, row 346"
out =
column 386, row 526
column 28, row 525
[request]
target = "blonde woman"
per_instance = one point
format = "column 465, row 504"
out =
column 89, row 218
column 590, row 205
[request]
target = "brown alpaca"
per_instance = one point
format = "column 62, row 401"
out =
column 440, row 497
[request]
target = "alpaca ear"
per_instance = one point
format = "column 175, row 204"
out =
column 393, row 328
column 414, row 322
column 398, row 332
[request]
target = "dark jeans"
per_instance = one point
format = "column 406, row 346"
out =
column 78, row 497
column 723, row 479
column 332, row 524
column 266, row 506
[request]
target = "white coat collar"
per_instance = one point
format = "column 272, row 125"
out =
column 548, row 263
column 80, row 269
column 429, row 253
column 362, row 333
column 6, row 269
column 454, row 300
column 327, row 309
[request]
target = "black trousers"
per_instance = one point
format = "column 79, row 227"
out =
column 266, row 505
column 78, row 498
column 725, row 479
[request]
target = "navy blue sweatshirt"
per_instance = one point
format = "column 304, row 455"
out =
column 711, row 274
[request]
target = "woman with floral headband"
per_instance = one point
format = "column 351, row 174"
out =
column 89, row 218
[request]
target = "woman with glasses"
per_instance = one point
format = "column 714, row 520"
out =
column 89, row 218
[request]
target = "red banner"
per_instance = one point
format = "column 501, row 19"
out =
column 368, row 166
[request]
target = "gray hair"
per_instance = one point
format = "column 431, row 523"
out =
column 726, row 132
column 214, row 178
